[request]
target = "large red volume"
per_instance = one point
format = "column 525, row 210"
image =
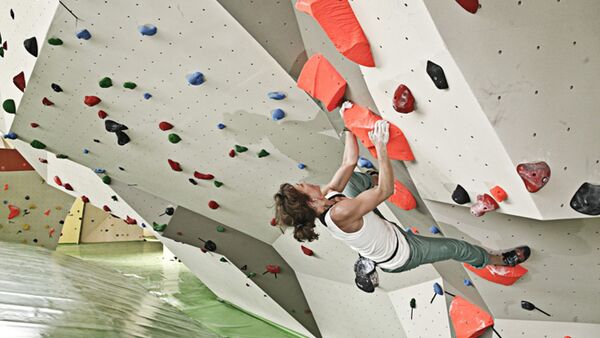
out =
column 505, row 275
column 321, row 81
column 469, row 320
column 341, row 26
column 361, row 120
column 402, row 197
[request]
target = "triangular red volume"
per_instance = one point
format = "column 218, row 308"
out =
column 505, row 275
column 469, row 320
column 320, row 80
column 361, row 120
column 402, row 197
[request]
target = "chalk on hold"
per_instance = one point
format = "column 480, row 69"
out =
column 195, row 78
column 499, row 193
column 276, row 95
column 84, row 34
column 434, row 230
column 55, row 41
column 504, row 275
column 10, row 135
column 263, row 153
column 485, row 203
column 147, row 96
column 102, row 114
column 364, row 163
column 174, row 138
column 31, row 46
column 174, row 165
column 306, row 250
column 68, row 186
column 240, row 149
column 460, row 195
column 56, row 88
column 587, row 199
column 37, row 144
column 147, row 30
column 106, row 179
column 9, row 106
column 436, row 73
column 47, row 102
column 231, row 153
column 158, row 227
column 91, row 100
column 202, row 176
column 277, row 114
column 470, row 6
column 404, row 101
column 322, row 81
column 221, row 126
column 468, row 319
column 301, row 166
column 129, row 85
column 535, row 175
column 13, row 211
column 402, row 197
column 106, row 82
column 213, row 205
column 218, row 184
column 19, row 81
column 340, row 24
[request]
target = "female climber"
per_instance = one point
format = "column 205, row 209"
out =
column 357, row 222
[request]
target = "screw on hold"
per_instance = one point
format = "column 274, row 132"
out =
column 413, row 305
column 530, row 307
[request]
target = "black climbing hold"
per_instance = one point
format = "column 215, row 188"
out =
column 96, row 140
column 587, row 199
column 114, row 198
column 209, row 245
column 170, row 211
column 122, row 138
column 121, row 168
column 413, row 305
column 27, row 197
column 113, row 127
column 61, row 156
column 436, row 73
column 460, row 195
column 12, row 14
column 193, row 181
column 56, row 88
column 31, row 46
column 530, row 307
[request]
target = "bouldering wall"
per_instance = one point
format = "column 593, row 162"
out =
column 71, row 231
column 99, row 226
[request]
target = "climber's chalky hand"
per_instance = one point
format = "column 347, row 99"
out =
column 380, row 134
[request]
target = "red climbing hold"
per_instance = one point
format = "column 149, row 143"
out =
column 47, row 212
column 339, row 23
column 174, row 165
column 469, row 320
column 165, row 126
column 361, row 120
column 213, row 205
column 232, row 153
column 57, row 180
column 13, row 211
column 404, row 101
column 202, row 176
column 469, row 5
column 19, row 81
column 402, row 197
column 321, row 81
column 306, row 250
column 485, row 203
column 34, row 125
column 505, row 275
column 130, row 221
column 42, row 160
column 534, row 174
column 85, row 199
column 51, row 232
column 5, row 187
column 68, row 186
column 273, row 222
column 499, row 193
column 91, row 100
column 102, row 114
column 272, row 268
column 106, row 208
column 414, row 230
column 47, row 102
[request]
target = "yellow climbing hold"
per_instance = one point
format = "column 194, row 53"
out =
column 32, row 206
column 26, row 227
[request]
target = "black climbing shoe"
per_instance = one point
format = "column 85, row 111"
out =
column 516, row 256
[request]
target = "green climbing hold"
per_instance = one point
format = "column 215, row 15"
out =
column 158, row 227
column 223, row 259
column 55, row 41
column 220, row 228
column 1, row 52
column 218, row 184
column 240, row 149
column 9, row 105
column 251, row 274
column 105, row 82
column 174, row 138
column 62, row 156
column 106, row 179
column 37, row 144
column 129, row 85
column 263, row 153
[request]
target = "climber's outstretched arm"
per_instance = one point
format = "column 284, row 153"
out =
column 342, row 175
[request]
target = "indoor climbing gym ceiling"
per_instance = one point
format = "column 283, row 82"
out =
column 181, row 119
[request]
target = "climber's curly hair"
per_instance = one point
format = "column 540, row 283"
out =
column 292, row 210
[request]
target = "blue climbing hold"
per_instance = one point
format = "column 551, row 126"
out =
column 84, row 34
column 301, row 165
column 221, row 126
column 467, row 282
column 434, row 230
column 85, row 151
column 147, row 96
column 147, row 30
column 438, row 289
column 195, row 79
column 99, row 171
column 143, row 225
column 277, row 114
column 276, row 95
column 364, row 163
column 11, row 136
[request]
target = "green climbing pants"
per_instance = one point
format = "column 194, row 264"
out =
column 423, row 249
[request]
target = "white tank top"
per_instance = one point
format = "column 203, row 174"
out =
column 376, row 239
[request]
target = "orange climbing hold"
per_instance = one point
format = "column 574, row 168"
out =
column 361, row 120
column 469, row 320
column 402, row 197
column 341, row 26
column 321, row 81
column 13, row 211
column 499, row 193
column 505, row 275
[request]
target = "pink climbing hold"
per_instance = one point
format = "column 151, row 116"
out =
column 58, row 181
column 470, row 6
column 341, row 26
column 67, row 186
column 306, row 250
column 499, row 193
column 102, row 114
column 202, row 176
column 404, row 101
column 106, row 208
column 505, row 275
column 534, row 174
column 91, row 101
column 85, row 199
column 19, row 81
column 47, row 102
column 13, row 211
column 485, row 203
column 130, row 221
column 174, row 165
column 213, row 205
column 322, row 81
column 165, row 126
